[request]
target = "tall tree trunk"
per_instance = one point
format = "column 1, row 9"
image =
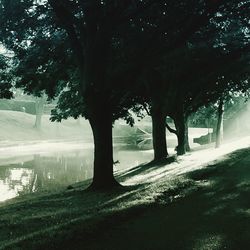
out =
column 101, row 124
column 180, row 127
column 159, row 134
column 38, row 122
column 181, row 124
column 92, row 60
column 219, row 127
column 99, row 111
column 40, row 101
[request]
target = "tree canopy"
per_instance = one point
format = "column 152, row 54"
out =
column 104, row 58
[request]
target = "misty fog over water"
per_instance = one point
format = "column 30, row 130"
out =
column 48, row 171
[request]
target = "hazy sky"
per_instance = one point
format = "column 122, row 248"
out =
column 1, row 48
column 4, row 51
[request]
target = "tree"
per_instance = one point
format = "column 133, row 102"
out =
column 233, row 103
column 219, row 73
column 219, row 127
column 177, row 24
column 73, row 49
column 87, row 72
column 220, row 57
column 91, row 28
column 5, row 78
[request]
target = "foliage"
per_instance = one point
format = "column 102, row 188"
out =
column 233, row 103
column 155, row 51
column 5, row 78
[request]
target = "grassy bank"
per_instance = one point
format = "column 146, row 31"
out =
column 19, row 126
column 204, row 207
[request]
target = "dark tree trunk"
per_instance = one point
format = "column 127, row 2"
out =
column 92, row 60
column 99, row 112
column 98, row 108
column 219, row 127
column 101, row 124
column 180, row 127
column 159, row 134
column 181, row 124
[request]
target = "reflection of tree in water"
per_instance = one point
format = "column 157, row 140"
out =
column 16, row 178
column 51, row 172
column 46, row 172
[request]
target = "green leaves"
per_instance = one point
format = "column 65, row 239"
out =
column 5, row 78
column 181, row 47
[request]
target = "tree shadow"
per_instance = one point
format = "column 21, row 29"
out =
column 212, row 214
column 146, row 168
column 224, row 209
column 209, row 211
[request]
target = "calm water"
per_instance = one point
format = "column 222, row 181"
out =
column 52, row 170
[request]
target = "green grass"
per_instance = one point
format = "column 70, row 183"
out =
column 19, row 126
column 203, row 209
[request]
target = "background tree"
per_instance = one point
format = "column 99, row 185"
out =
column 153, row 39
column 5, row 78
column 40, row 102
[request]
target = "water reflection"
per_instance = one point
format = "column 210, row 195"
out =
column 15, row 181
column 50, row 171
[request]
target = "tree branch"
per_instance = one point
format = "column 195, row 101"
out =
column 146, row 109
column 171, row 130
column 152, row 50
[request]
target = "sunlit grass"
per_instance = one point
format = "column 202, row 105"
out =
column 33, row 220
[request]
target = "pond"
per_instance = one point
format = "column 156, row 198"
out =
column 50, row 167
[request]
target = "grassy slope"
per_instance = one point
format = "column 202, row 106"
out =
column 206, row 208
column 19, row 126
column 16, row 126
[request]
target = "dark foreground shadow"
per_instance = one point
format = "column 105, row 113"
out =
column 213, row 214
column 209, row 211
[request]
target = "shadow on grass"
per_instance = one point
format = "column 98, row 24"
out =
column 212, row 215
column 208, row 210
column 145, row 168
